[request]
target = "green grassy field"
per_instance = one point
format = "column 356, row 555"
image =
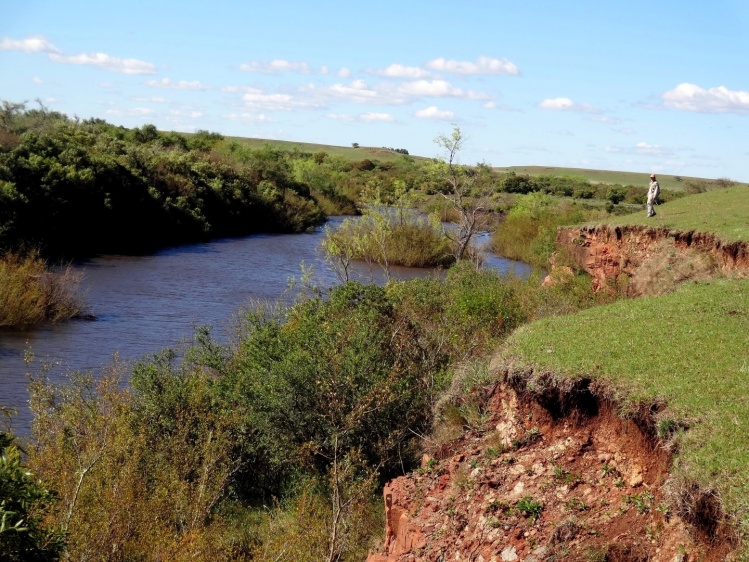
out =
column 724, row 212
column 385, row 155
column 351, row 153
column 689, row 349
column 606, row 176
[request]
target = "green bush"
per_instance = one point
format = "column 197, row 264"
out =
column 24, row 505
column 529, row 231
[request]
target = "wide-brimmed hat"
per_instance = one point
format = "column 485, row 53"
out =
column 652, row 175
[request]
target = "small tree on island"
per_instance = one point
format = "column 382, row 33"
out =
column 457, row 189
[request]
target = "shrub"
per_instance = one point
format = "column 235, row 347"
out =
column 134, row 482
column 31, row 294
column 24, row 505
column 529, row 231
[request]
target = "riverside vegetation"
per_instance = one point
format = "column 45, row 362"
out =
column 71, row 188
column 274, row 446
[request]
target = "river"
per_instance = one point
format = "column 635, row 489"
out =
column 145, row 303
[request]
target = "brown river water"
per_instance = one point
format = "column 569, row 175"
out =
column 145, row 303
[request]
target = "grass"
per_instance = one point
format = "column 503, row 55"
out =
column 348, row 152
column 722, row 211
column 606, row 176
column 689, row 349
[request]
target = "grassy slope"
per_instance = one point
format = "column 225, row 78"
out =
column 690, row 348
column 603, row 176
column 722, row 211
column 385, row 155
column 353, row 154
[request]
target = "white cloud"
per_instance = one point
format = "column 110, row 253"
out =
column 357, row 91
column 438, row 89
column 149, row 99
column 604, row 119
column 483, row 66
column 430, row 88
column 401, row 71
column 167, row 83
column 558, row 104
column 248, row 117
column 106, row 62
column 191, row 114
column 344, row 73
column 255, row 98
column 565, row 104
column 643, row 149
column 38, row 44
column 134, row 112
column 371, row 117
column 432, row 112
column 37, row 80
column 276, row 66
column 690, row 97
column 34, row 44
column 340, row 117
column 651, row 149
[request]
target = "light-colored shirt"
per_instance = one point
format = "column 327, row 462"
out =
column 653, row 191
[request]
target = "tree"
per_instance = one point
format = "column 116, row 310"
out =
column 459, row 185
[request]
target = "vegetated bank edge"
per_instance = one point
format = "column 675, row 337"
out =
column 544, row 475
column 684, row 350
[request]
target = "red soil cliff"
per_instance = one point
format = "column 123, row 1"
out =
column 607, row 253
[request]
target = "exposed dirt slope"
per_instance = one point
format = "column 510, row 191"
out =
column 548, row 478
column 647, row 255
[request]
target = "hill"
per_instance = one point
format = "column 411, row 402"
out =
column 385, row 154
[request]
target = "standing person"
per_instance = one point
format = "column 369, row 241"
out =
column 654, row 190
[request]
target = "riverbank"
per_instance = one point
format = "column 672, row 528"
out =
column 618, row 432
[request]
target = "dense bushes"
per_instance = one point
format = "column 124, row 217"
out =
column 578, row 188
column 312, row 409
column 81, row 188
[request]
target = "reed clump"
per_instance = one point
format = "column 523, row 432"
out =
column 32, row 294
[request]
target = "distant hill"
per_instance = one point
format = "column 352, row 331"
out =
column 673, row 183
column 670, row 182
column 383, row 154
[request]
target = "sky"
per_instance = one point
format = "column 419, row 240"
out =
column 656, row 86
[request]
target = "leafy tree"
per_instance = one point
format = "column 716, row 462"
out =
column 458, row 184
column 24, row 505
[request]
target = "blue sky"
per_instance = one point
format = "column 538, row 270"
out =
column 656, row 86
